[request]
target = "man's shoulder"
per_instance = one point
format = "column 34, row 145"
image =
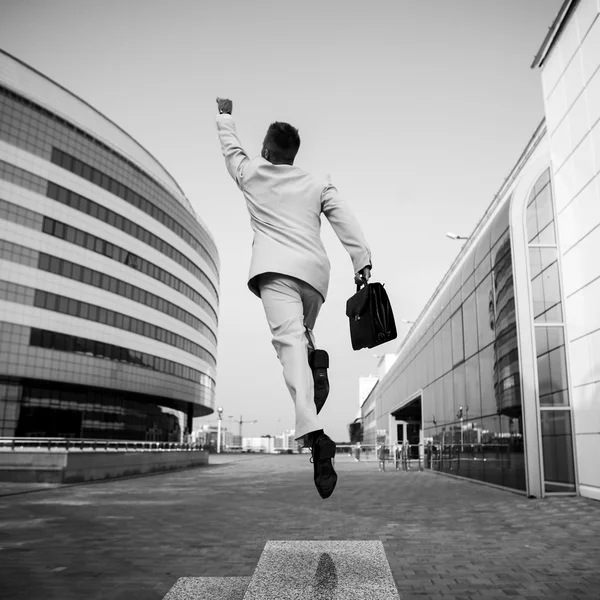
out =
column 319, row 180
column 261, row 168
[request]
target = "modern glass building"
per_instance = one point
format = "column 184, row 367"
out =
column 108, row 279
column 498, row 379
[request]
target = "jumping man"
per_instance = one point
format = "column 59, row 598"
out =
column 289, row 269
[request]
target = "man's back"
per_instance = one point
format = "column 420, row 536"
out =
column 289, row 270
column 285, row 205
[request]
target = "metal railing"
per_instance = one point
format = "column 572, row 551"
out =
column 437, row 457
column 405, row 458
column 49, row 444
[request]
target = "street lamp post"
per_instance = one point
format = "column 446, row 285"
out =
column 220, row 413
column 454, row 236
column 460, row 416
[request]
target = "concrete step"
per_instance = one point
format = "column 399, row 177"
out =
column 332, row 570
column 208, row 588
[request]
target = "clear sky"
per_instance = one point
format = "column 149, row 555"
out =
column 417, row 110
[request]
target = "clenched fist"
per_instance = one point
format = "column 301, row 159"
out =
column 225, row 105
column 362, row 276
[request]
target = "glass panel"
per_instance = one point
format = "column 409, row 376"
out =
column 552, row 315
column 470, row 325
column 485, row 312
column 500, row 223
column 557, row 446
column 501, row 252
column 468, row 288
column 458, row 349
column 507, row 381
column 540, row 259
column 486, row 370
column 439, row 409
column 429, row 365
column 546, row 236
column 472, row 388
column 541, row 182
column 468, row 267
column 544, row 208
column 80, row 412
column 455, row 284
column 460, row 393
column 555, row 399
column 548, row 338
column 483, row 247
column 438, row 355
column 532, row 226
column 545, row 287
column 448, row 396
column 446, row 347
column 552, row 376
column 483, row 269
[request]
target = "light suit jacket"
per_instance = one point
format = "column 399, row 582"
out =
column 285, row 205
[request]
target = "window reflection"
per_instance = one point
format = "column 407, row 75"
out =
column 470, row 325
column 458, row 349
column 557, row 445
column 57, row 410
column 477, row 406
column 545, row 287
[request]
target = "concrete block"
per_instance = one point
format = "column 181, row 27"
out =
column 289, row 570
column 208, row 588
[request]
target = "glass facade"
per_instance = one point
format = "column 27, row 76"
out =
column 472, row 409
column 55, row 378
column 63, row 342
column 65, row 196
column 73, row 164
column 65, row 268
column 464, row 359
column 454, row 392
column 46, row 409
column 96, row 210
column 35, row 129
column 94, row 243
column 546, row 299
column 112, row 318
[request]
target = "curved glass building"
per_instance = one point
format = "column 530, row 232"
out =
column 498, row 379
column 109, row 281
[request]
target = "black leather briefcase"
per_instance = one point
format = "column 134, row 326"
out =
column 371, row 317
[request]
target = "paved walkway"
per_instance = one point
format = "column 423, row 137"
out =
column 444, row 538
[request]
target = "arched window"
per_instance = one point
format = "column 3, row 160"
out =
column 548, row 316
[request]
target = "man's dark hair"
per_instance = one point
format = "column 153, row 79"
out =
column 282, row 141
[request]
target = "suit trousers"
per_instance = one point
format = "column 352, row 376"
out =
column 291, row 307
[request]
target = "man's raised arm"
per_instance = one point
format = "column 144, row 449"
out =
column 235, row 157
column 348, row 230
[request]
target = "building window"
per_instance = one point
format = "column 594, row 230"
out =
column 95, row 244
column 118, row 189
column 546, row 298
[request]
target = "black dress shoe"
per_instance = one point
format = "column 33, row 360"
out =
column 322, row 451
column 319, row 363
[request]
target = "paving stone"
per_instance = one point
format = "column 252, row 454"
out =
column 100, row 541
column 209, row 588
column 322, row 570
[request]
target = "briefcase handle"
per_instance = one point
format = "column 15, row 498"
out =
column 364, row 283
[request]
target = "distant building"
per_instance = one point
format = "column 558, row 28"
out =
column 207, row 435
column 286, row 441
column 259, row 444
